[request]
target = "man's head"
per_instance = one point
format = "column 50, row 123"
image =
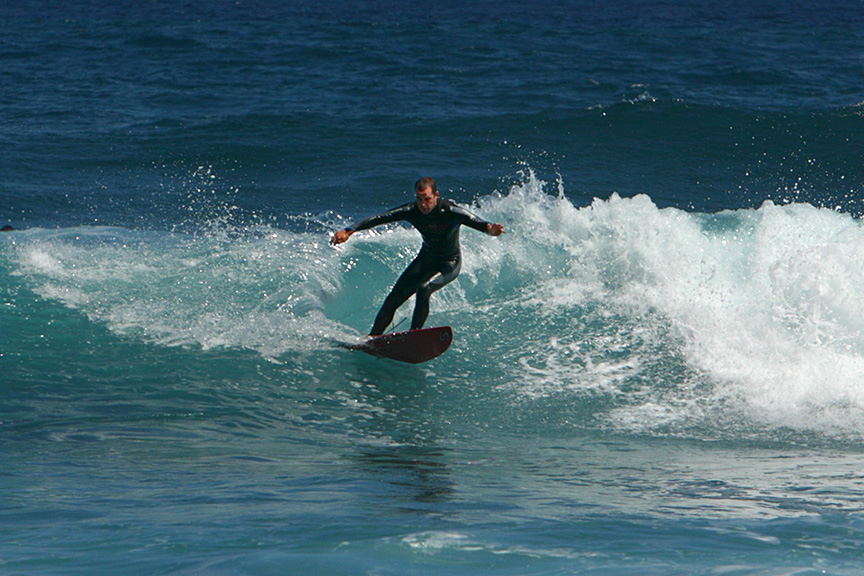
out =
column 426, row 192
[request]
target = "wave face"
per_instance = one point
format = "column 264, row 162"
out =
column 618, row 315
column 657, row 370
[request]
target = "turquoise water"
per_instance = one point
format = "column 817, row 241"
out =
column 657, row 370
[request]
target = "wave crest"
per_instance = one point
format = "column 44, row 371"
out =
column 639, row 317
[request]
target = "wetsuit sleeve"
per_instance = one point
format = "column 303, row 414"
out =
column 393, row 215
column 468, row 219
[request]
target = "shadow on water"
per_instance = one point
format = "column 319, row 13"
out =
column 398, row 421
column 415, row 478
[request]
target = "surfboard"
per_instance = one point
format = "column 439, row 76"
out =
column 413, row 346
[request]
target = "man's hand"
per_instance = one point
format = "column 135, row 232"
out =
column 341, row 236
column 494, row 229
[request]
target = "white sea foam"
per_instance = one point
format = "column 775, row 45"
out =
column 671, row 318
column 264, row 293
column 764, row 305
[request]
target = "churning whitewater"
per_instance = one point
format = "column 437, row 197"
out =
column 680, row 322
column 657, row 371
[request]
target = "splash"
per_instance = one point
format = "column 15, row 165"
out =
column 676, row 315
column 616, row 314
column 262, row 292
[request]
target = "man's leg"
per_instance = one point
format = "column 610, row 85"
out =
column 404, row 288
column 436, row 281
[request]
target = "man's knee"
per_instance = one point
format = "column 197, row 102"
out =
column 429, row 286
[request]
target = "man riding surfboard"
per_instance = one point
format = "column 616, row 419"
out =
column 439, row 260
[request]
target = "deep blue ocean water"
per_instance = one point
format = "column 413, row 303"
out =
column 658, row 370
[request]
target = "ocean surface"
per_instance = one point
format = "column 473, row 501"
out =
column 657, row 371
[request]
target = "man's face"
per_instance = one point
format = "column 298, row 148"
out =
column 426, row 200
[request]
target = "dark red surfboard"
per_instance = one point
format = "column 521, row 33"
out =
column 413, row 346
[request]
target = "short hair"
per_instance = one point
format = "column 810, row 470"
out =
column 424, row 183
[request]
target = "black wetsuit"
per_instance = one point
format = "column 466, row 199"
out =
column 438, row 262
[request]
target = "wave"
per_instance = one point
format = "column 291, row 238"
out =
column 758, row 311
column 620, row 315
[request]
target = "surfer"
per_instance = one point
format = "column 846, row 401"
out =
column 439, row 260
